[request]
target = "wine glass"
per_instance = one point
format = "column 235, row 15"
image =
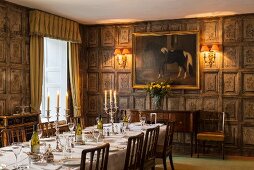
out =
column 39, row 131
column 16, row 149
column 71, row 126
column 96, row 134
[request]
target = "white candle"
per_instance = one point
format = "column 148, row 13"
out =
column 66, row 101
column 57, row 99
column 48, row 102
column 115, row 97
column 105, row 98
column 110, row 96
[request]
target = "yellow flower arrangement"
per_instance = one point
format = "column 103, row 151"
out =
column 159, row 89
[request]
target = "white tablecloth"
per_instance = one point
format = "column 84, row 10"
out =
column 116, row 156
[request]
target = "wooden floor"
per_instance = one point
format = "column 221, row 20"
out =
column 209, row 163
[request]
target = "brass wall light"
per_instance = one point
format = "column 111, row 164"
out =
column 121, row 57
column 210, row 54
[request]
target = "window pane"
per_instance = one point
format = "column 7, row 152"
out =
column 55, row 77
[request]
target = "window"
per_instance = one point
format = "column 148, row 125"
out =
column 54, row 77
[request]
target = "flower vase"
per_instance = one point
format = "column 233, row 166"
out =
column 158, row 102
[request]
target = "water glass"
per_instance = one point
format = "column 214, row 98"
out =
column 71, row 126
column 16, row 149
column 96, row 134
column 142, row 120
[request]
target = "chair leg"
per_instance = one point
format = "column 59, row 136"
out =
column 164, row 163
column 222, row 145
column 171, row 162
column 197, row 147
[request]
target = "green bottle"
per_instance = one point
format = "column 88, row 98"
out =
column 78, row 132
column 100, row 125
column 35, row 142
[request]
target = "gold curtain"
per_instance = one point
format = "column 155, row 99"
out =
column 74, row 77
column 36, row 71
column 49, row 25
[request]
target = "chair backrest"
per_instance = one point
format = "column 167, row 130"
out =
column 97, row 158
column 149, row 147
column 48, row 129
column 168, row 141
column 133, row 153
column 13, row 135
column 211, row 121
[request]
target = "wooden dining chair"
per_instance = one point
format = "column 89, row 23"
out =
column 97, row 158
column 165, row 150
column 133, row 153
column 210, row 128
column 149, row 148
column 13, row 135
column 48, row 129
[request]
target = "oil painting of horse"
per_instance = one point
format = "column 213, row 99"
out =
column 169, row 56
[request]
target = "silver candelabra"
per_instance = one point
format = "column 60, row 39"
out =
column 58, row 145
column 111, row 110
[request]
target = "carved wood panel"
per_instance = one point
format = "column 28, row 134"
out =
column 231, row 57
column 212, row 31
column 16, row 51
column 124, row 82
column 93, row 61
column 248, row 56
column 231, row 29
column 124, row 102
column 16, row 81
column 139, row 103
column 2, row 50
column 125, row 36
column 248, row 137
column 230, row 106
column 108, row 36
column 231, row 135
column 173, row 103
column 93, row 37
column 248, row 83
column 210, row 104
column 2, row 18
column 210, row 82
column 93, row 80
column 108, row 81
column 93, row 104
column 15, row 20
column 2, row 80
column 230, row 83
column 248, row 29
column 193, row 104
column 107, row 56
column 248, row 109
column 2, row 106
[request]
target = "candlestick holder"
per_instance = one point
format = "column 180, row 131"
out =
column 48, row 115
column 58, row 145
column 67, row 113
column 111, row 110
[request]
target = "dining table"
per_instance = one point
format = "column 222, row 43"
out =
column 117, row 151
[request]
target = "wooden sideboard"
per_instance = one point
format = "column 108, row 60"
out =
column 26, row 120
column 186, row 121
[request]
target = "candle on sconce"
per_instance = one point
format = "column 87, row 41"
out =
column 57, row 99
column 115, row 97
column 105, row 98
column 110, row 96
column 66, row 101
column 48, row 102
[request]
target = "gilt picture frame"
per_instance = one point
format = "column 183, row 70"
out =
column 166, row 56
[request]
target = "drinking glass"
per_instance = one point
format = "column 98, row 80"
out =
column 71, row 126
column 142, row 120
column 16, row 149
column 40, row 131
column 96, row 134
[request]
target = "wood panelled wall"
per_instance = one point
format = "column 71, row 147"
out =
column 14, row 57
column 227, row 86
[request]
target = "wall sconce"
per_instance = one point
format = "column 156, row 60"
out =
column 121, row 56
column 210, row 55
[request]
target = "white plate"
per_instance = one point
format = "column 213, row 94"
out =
column 72, row 162
column 47, row 139
column 113, row 149
column 6, row 149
